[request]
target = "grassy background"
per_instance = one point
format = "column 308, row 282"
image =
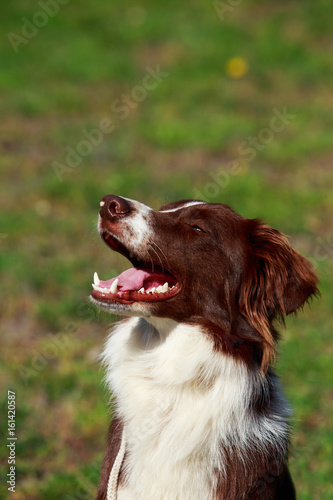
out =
column 171, row 145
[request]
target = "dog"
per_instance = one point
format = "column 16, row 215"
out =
column 198, row 411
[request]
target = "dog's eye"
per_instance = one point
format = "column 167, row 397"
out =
column 197, row 228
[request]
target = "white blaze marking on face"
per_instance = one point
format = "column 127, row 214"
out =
column 137, row 203
column 137, row 224
column 189, row 204
column 135, row 228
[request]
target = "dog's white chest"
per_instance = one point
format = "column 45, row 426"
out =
column 179, row 401
column 168, row 394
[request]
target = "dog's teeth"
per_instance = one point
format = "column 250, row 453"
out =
column 142, row 290
column 100, row 289
column 96, row 279
column 114, row 286
column 159, row 289
column 165, row 287
column 152, row 290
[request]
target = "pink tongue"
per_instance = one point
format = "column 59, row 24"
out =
column 131, row 279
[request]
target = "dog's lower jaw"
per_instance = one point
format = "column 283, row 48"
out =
column 136, row 309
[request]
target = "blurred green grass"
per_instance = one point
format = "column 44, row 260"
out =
column 172, row 145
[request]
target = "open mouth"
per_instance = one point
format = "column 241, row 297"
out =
column 144, row 282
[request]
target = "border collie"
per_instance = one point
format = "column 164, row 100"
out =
column 198, row 411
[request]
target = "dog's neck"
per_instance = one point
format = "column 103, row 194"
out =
column 151, row 332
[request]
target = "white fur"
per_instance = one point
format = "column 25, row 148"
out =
column 179, row 401
column 135, row 228
column 189, row 204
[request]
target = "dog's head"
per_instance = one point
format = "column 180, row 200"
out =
column 202, row 263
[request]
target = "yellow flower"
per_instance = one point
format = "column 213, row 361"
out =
column 236, row 67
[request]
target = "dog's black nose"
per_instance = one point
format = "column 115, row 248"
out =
column 113, row 206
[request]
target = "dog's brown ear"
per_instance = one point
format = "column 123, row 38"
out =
column 278, row 281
